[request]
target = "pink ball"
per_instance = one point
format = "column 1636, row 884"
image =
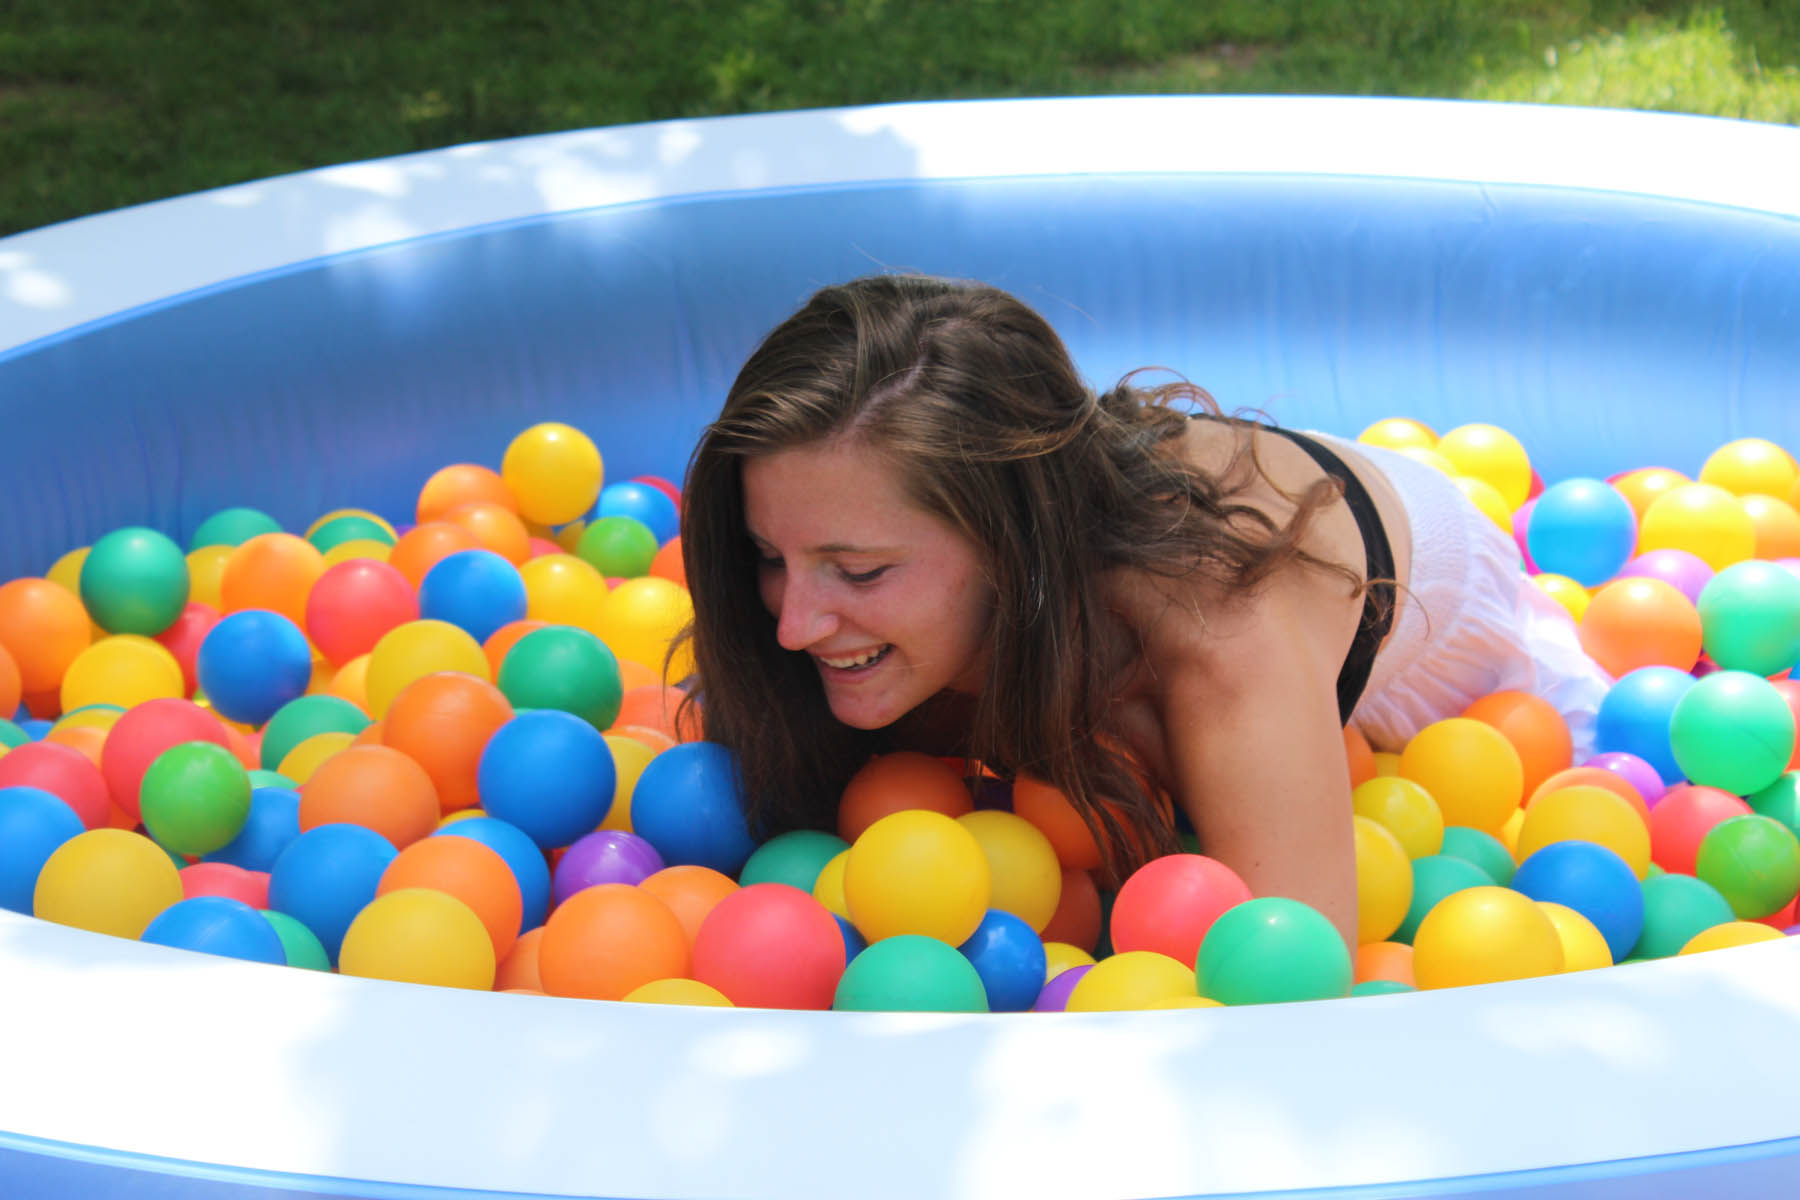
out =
column 1633, row 770
column 1686, row 814
column 354, row 603
column 1521, row 524
column 770, row 945
column 1169, row 903
column 64, row 772
column 225, row 879
column 1687, row 573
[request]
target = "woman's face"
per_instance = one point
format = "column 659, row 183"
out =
column 888, row 601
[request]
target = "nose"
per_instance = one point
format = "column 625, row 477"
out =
column 803, row 615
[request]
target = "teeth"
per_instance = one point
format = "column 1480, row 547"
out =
column 844, row 664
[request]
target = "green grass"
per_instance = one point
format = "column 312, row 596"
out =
column 105, row 103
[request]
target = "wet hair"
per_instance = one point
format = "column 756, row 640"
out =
column 976, row 401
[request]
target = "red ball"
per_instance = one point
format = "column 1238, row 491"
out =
column 1685, row 814
column 225, row 879
column 145, row 732
column 1169, row 903
column 183, row 638
column 770, row 946
column 64, row 772
column 662, row 485
column 354, row 603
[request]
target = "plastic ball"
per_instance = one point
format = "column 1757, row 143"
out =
column 1633, row 623
column 222, row 879
column 476, row 590
column 1583, row 946
column 913, row 872
column 1676, row 908
column 354, row 603
column 1686, row 814
column 1780, row 800
column 1272, row 950
column 641, row 617
column 604, row 856
column 217, row 925
column 1686, row 573
column 300, row 944
column 33, row 824
column 232, row 527
column 1750, row 618
column 1587, row 814
column 1054, row 997
column 1633, row 770
column 1732, row 730
column 425, row 545
column 416, row 649
column 561, row 589
column 327, row 875
column 1404, row 809
column 106, row 881
column 678, row 991
column 1025, row 876
column 1777, row 525
column 650, row 506
column 1593, row 881
column 1492, row 455
column 689, row 804
column 1389, row 962
column 1435, row 877
column 273, row 571
column 1469, row 768
column 691, row 892
column 43, row 627
column 563, row 668
column 339, row 530
column 312, row 753
column 1396, row 433
column 1585, row 776
column 1134, row 979
column 1582, row 528
column 1384, row 882
column 1168, row 904
column 494, row 527
column 62, row 771
column 376, row 787
column 253, row 662
column 552, row 775
column 794, row 858
column 1533, row 726
column 472, row 872
column 1485, row 935
column 125, row 669
column 1009, row 957
column 418, row 935
column 458, row 484
column 1565, row 591
column 910, row 973
column 1482, row 849
column 303, row 717
column 1730, row 935
column 1754, row 862
column 195, row 797
column 555, row 472
column 618, row 547
column 891, row 783
column 206, row 575
column 1487, row 499
column 608, row 940
column 443, row 722
column 769, row 945
column 522, row 857
column 134, row 580
column 1704, row 520
column 1751, row 465
column 1634, row 717
column 273, row 822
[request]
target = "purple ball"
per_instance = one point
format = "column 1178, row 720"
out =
column 1521, row 524
column 1055, row 996
column 1687, row 573
column 1633, row 770
column 606, row 856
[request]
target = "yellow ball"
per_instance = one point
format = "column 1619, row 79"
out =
column 108, row 881
column 1134, row 979
column 1586, row 814
column 309, row 754
column 1702, row 519
column 1184, row 1002
column 1469, row 768
column 1022, row 864
column 1430, row 458
column 1405, row 809
column 1492, row 455
column 1384, row 882
column 569, row 536
column 917, row 871
column 364, row 513
column 1387, row 764
column 1060, row 957
column 564, row 590
column 414, row 650
column 1584, row 946
column 1751, row 465
column 1484, row 496
column 1565, row 591
column 66, row 571
column 1484, row 935
column 640, row 617
column 1509, row 833
column 125, row 669
column 419, row 935
column 1731, row 933
column 206, row 568
column 1397, row 433
column 554, row 471
column 100, row 717
column 351, row 682
column 630, row 757
column 828, row 888
column 358, row 548
column 678, row 991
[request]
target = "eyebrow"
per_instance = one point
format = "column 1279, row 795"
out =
column 833, row 547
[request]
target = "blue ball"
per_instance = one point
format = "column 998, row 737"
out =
column 33, row 823
column 217, row 925
column 253, row 662
column 36, row 727
column 1634, row 717
column 274, row 821
column 689, row 804
column 326, row 876
column 644, row 503
column 1592, row 880
column 1009, row 957
column 1582, row 528
column 475, row 590
column 520, row 853
column 854, row 942
column 550, row 773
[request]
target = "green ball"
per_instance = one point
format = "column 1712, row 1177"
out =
column 233, row 527
column 1754, row 861
column 1750, row 617
column 304, row 716
column 1434, row 877
column 567, row 669
column 1482, row 848
column 263, row 779
column 1381, row 987
column 134, row 580
column 11, row 735
column 1676, row 907
column 910, row 973
column 301, row 945
column 1271, row 950
column 794, row 858
column 348, row 528
column 1732, row 730
column 195, row 797
column 1780, row 800
column 619, row 547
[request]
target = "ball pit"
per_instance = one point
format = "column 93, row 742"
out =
column 1455, row 229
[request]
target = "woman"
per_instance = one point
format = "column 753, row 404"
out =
column 913, row 526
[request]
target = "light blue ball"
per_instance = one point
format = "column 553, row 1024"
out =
column 1582, row 528
column 1634, row 717
column 644, row 503
column 251, row 663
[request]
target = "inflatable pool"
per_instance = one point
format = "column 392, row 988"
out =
column 1617, row 289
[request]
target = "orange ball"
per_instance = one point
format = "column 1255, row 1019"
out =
column 422, row 547
column 668, row 563
column 469, row 870
column 459, row 484
column 656, row 739
column 1777, row 526
column 494, row 528
column 1050, row 810
column 1533, row 726
column 890, row 783
column 1632, row 623
column 518, row 971
column 86, row 738
column 11, row 689
column 274, row 571
column 609, row 939
column 1078, row 917
column 43, row 627
column 1590, row 777
column 1392, row 961
column 505, row 638
column 1643, row 487
column 374, row 786
column 442, row 722
column 1360, row 754
column 690, row 891
column 659, row 708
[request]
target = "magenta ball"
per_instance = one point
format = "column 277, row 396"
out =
column 606, row 856
column 1055, row 996
column 1633, row 770
column 1521, row 523
column 1685, row 572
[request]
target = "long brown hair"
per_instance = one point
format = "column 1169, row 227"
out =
column 976, row 400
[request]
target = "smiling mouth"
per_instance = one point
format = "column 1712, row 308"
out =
column 859, row 662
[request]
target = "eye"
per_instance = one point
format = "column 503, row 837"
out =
column 768, row 562
column 863, row 577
